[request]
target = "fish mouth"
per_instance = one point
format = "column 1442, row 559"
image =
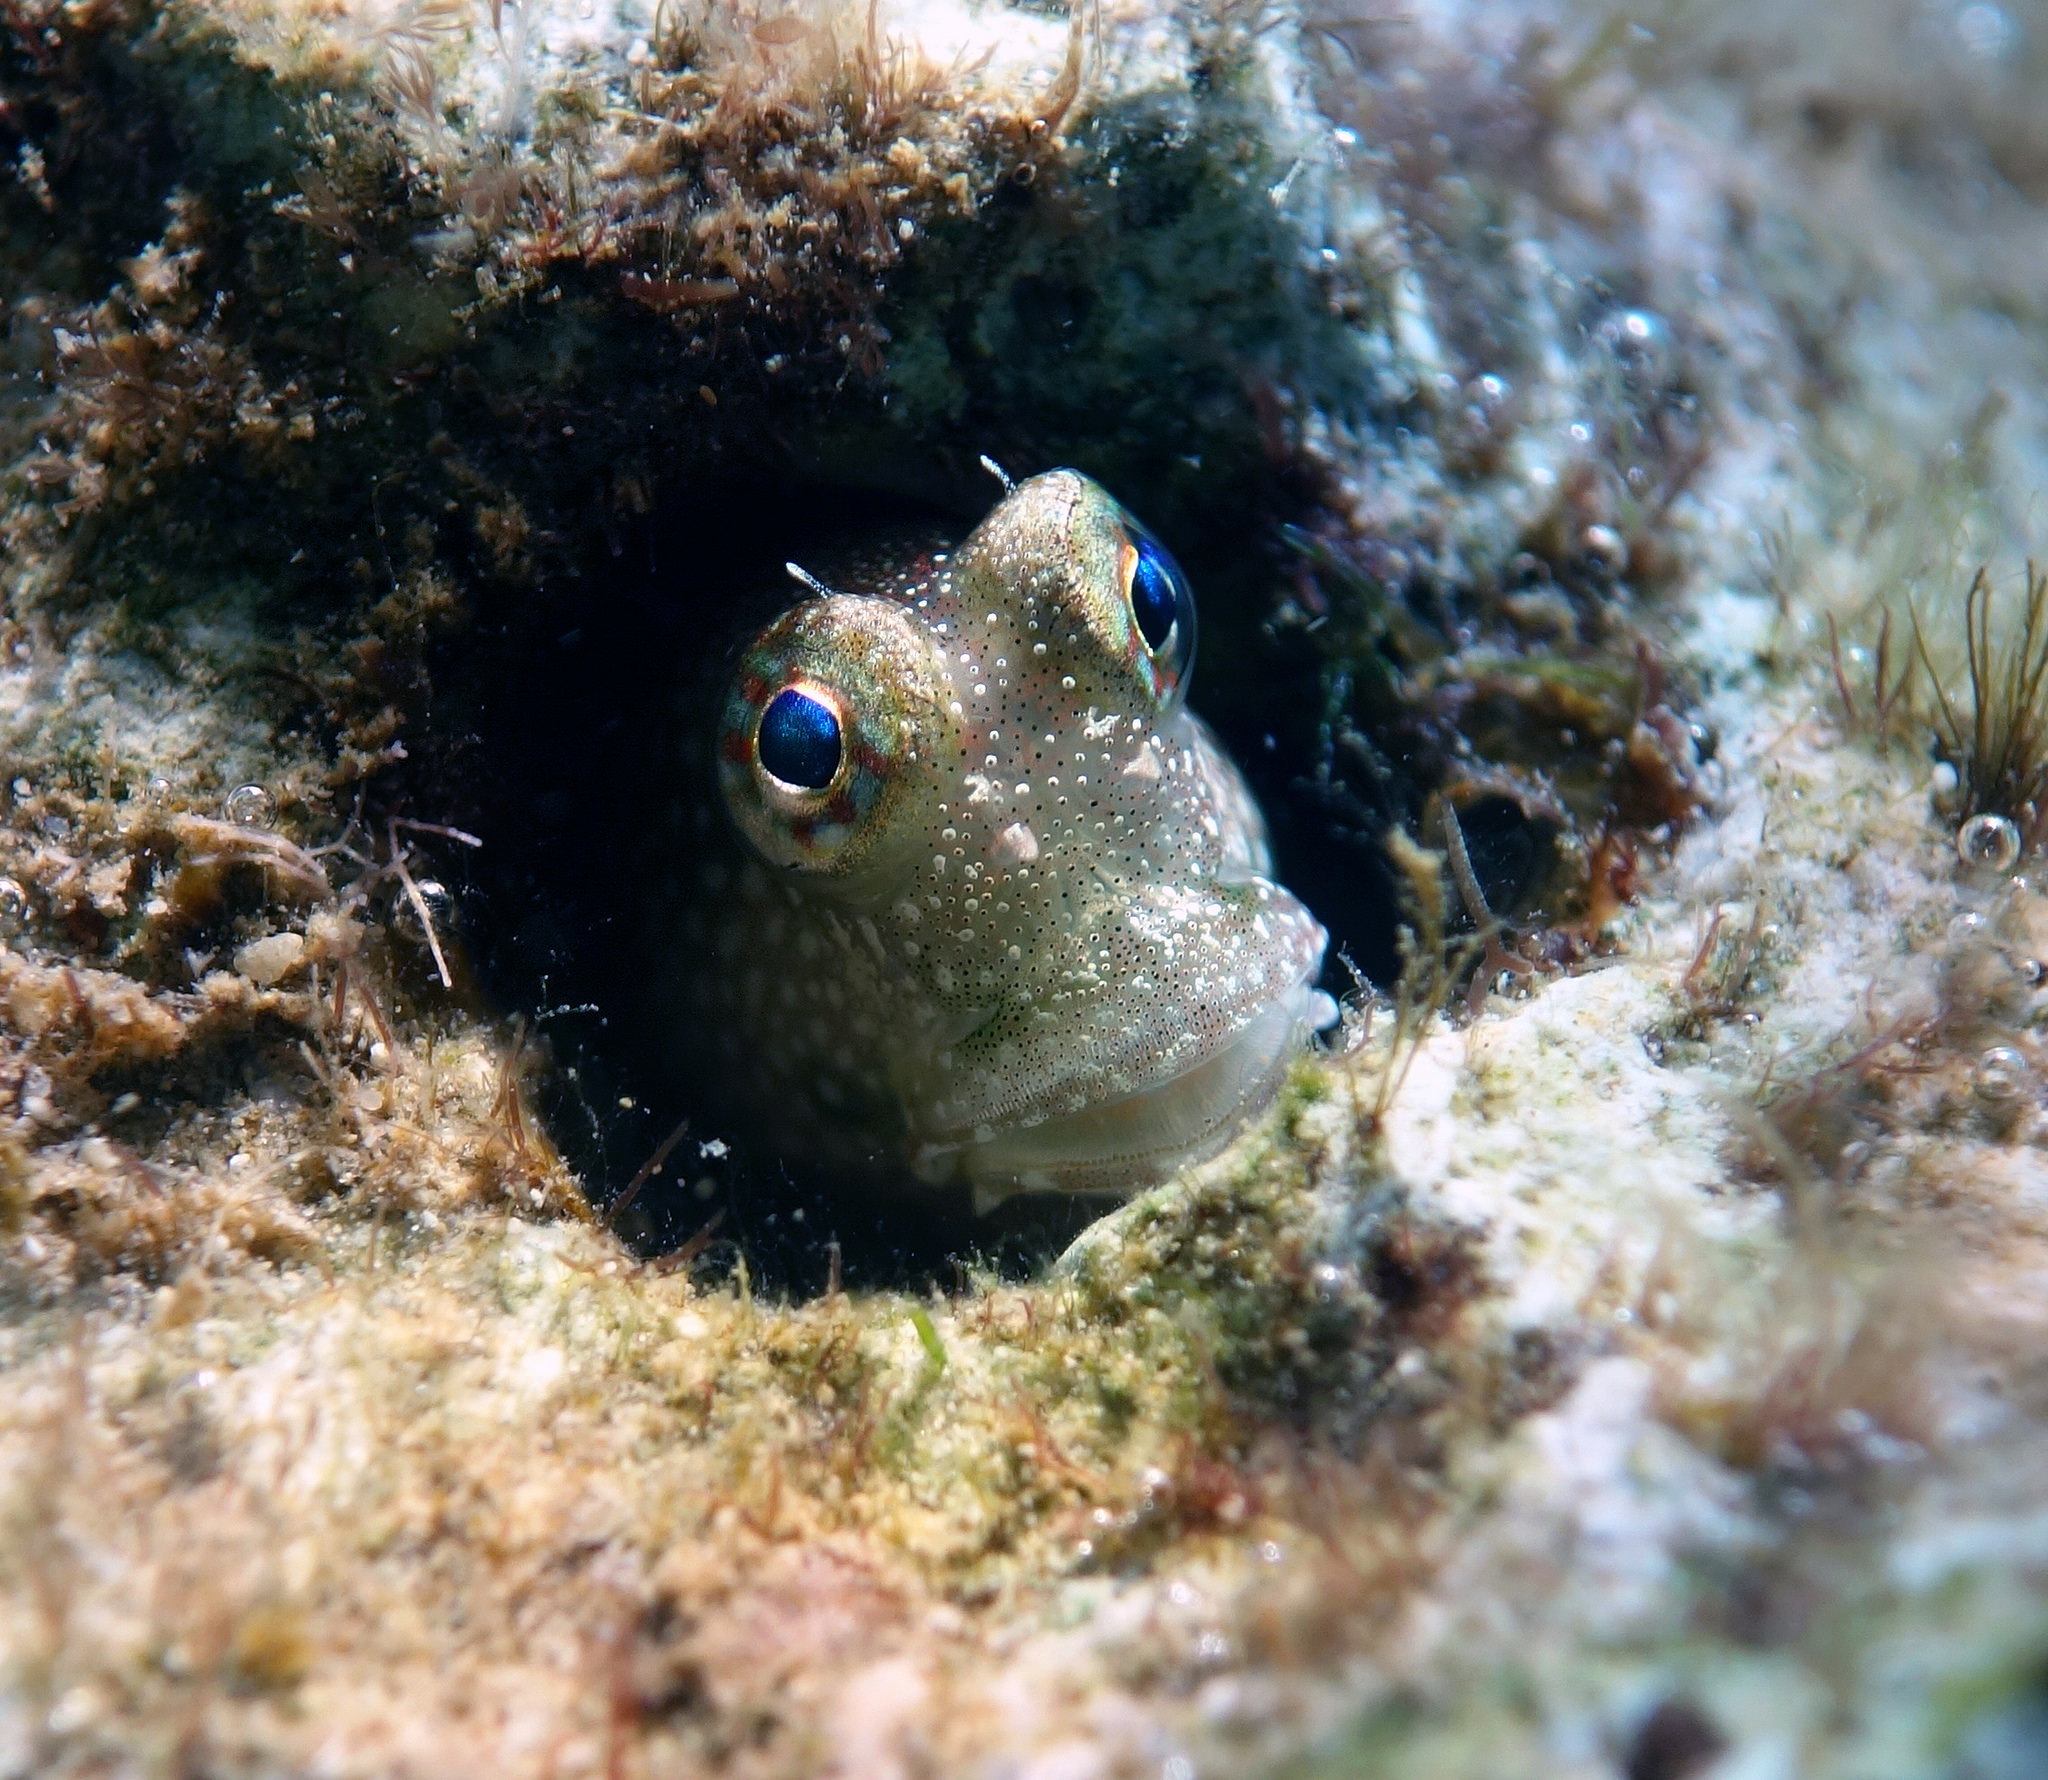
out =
column 1142, row 1137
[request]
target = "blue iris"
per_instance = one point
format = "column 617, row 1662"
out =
column 799, row 740
column 1155, row 594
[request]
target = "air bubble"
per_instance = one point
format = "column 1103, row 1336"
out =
column 13, row 902
column 1641, row 344
column 1987, row 31
column 2001, row 1075
column 1988, row 843
column 405, row 919
column 249, row 806
column 1605, row 545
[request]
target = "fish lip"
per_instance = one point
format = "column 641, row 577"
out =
column 1136, row 1139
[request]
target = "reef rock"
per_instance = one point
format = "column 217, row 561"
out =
column 1604, row 446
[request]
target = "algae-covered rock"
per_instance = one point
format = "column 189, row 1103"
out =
column 1616, row 1349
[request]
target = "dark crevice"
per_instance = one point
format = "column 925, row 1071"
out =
column 575, row 734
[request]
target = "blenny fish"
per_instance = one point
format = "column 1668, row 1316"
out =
column 1004, row 912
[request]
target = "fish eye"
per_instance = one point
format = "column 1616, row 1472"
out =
column 1158, row 633
column 1157, row 593
column 800, row 740
column 828, row 739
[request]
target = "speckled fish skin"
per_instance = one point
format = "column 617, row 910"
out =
column 1028, row 936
